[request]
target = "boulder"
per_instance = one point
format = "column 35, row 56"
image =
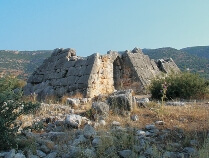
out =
column 75, row 102
column 122, row 100
column 90, row 153
column 96, row 141
column 40, row 153
column 142, row 102
column 73, row 120
column 80, row 140
column 127, row 154
column 10, row 154
column 101, row 108
column 175, row 103
column 19, row 155
column 134, row 118
column 89, row 131
column 115, row 123
column 51, row 155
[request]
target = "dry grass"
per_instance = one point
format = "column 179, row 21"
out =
column 194, row 117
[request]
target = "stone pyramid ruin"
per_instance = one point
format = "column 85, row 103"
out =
column 64, row 73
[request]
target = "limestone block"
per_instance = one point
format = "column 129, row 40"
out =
column 69, row 64
column 87, row 70
column 60, row 63
column 51, row 66
column 83, row 79
column 60, row 91
column 65, row 55
column 81, row 71
column 122, row 100
column 72, row 51
column 56, row 51
column 91, row 59
column 72, row 71
column 36, row 79
column 28, row 89
column 48, row 91
column 82, row 85
column 80, row 62
column 72, row 88
column 71, row 80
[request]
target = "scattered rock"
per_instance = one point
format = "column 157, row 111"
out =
column 102, row 122
column 134, row 118
column 159, row 123
column 19, row 155
column 40, row 153
column 96, row 141
column 126, row 154
column 51, row 155
column 73, row 120
column 10, row 154
column 140, row 133
column 191, row 152
column 90, row 153
column 45, row 149
column 89, row 131
column 142, row 102
column 80, row 140
column 115, row 123
column 74, row 102
column 101, row 108
column 150, row 127
column 175, row 103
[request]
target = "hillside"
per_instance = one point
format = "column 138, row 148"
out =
column 200, row 51
column 21, row 63
column 184, row 60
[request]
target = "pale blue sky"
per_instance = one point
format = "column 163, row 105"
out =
column 101, row 25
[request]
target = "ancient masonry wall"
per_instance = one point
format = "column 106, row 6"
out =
column 64, row 73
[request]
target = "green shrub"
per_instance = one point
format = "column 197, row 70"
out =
column 11, row 107
column 183, row 85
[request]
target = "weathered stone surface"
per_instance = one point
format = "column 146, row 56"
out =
column 65, row 73
column 73, row 120
column 121, row 100
column 75, row 102
column 101, row 108
column 126, row 154
column 175, row 103
column 142, row 102
column 89, row 131
column 167, row 65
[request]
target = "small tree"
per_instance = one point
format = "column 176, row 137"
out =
column 11, row 107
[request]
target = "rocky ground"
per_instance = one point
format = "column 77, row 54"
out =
column 93, row 128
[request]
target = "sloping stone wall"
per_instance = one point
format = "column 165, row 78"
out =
column 65, row 73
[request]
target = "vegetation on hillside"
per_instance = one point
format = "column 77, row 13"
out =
column 200, row 51
column 183, row 85
column 11, row 107
column 21, row 63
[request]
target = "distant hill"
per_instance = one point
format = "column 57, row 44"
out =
column 183, row 59
column 201, row 51
column 21, row 63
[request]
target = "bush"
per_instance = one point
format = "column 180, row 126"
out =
column 11, row 107
column 183, row 85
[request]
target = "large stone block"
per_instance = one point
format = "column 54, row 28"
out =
column 122, row 100
column 69, row 64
